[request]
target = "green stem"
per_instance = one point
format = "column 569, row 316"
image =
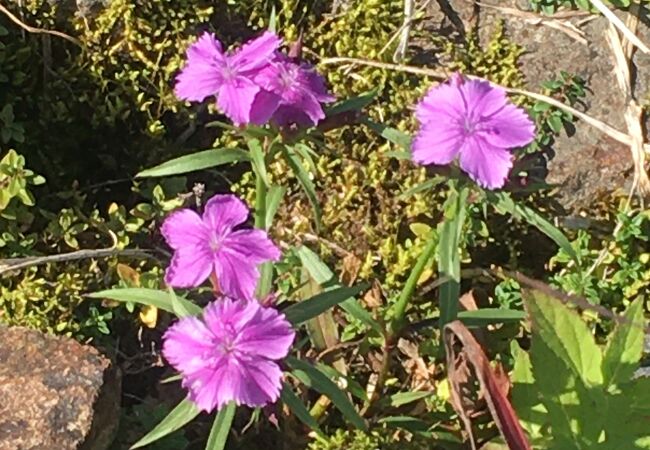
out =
column 411, row 283
column 266, row 269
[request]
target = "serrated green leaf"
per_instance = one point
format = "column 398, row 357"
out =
column 567, row 336
column 196, row 161
column 317, row 380
column 221, row 427
column 305, row 310
column 289, row 398
column 180, row 416
column 142, row 296
column 625, row 346
column 305, row 182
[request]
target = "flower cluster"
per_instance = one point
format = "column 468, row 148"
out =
column 230, row 355
column 253, row 84
column 471, row 120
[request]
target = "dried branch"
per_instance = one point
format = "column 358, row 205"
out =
column 13, row 264
column 34, row 30
column 618, row 23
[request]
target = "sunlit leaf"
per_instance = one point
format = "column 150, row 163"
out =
column 307, row 309
column 196, row 161
column 317, row 380
column 305, row 182
column 180, row 416
column 221, row 427
column 159, row 299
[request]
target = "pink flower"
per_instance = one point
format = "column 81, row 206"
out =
column 210, row 244
column 297, row 89
column 474, row 121
column 230, row 355
column 209, row 71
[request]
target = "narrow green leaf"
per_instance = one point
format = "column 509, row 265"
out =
column 196, row 161
column 307, row 309
column 490, row 316
column 504, row 204
column 257, row 158
column 289, row 398
column 424, row 186
column 449, row 255
column 625, row 346
column 353, row 104
column 393, row 135
column 317, row 380
column 180, row 308
column 273, row 20
column 221, row 427
column 142, row 296
column 322, row 274
column 566, row 335
column 408, row 423
column 273, row 199
column 305, row 182
column 404, row 398
column 180, row 416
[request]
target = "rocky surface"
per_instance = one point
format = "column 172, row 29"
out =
column 55, row 394
column 588, row 163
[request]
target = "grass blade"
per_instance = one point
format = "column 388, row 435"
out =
column 196, row 161
column 320, row 382
column 305, row 310
column 180, row 416
column 221, row 428
column 306, row 183
column 160, row 299
column 289, row 398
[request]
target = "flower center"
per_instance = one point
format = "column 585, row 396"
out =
column 469, row 126
column 228, row 72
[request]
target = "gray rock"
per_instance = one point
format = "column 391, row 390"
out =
column 55, row 393
column 588, row 163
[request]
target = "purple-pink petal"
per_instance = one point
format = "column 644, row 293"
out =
column 189, row 267
column 201, row 78
column 257, row 53
column 437, row 143
column 510, row 127
column 487, row 165
column 236, row 97
column 224, row 212
column 237, row 277
column 231, row 355
column 184, row 228
column 253, row 245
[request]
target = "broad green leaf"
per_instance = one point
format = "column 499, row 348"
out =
column 504, row 204
column 625, row 346
column 221, row 427
column 322, row 274
column 525, row 394
column 196, row 161
column 257, row 158
column 317, row 380
column 449, row 254
column 273, row 200
column 404, row 398
column 489, row 316
column 180, row 416
column 159, row 299
column 289, row 398
column 306, row 183
column 567, row 336
column 354, row 103
column 301, row 312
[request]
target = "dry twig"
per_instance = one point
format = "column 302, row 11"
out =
column 618, row 23
column 34, row 30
